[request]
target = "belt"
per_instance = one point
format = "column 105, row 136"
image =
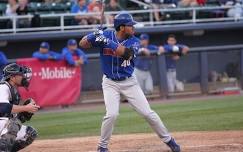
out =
column 172, row 70
column 118, row 79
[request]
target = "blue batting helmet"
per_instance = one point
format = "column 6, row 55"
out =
column 123, row 19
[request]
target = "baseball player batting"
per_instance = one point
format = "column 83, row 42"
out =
column 117, row 52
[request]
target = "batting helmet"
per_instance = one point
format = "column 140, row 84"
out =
column 123, row 19
column 15, row 69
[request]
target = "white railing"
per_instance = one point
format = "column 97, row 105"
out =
column 194, row 18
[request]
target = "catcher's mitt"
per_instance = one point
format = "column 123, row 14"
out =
column 25, row 116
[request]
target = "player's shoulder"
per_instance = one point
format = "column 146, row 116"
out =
column 108, row 32
column 65, row 50
column 152, row 46
column 4, row 86
column 134, row 39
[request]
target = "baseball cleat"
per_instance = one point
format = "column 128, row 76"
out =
column 101, row 149
column 173, row 145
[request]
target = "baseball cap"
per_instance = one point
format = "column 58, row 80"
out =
column 144, row 37
column 72, row 42
column 45, row 45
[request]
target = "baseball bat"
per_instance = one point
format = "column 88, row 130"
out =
column 102, row 2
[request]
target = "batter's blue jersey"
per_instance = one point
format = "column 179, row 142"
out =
column 113, row 66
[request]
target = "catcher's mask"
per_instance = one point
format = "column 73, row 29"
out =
column 16, row 69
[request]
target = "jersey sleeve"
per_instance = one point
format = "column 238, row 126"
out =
column 83, row 56
column 3, row 59
column 55, row 55
column 153, row 48
column 68, row 57
column 167, row 48
column 4, row 94
column 40, row 56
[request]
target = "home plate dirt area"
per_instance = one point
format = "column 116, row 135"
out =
column 218, row 141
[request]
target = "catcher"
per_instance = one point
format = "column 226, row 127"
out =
column 13, row 135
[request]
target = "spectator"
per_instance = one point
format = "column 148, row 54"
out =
column 175, row 51
column 23, row 10
column 94, row 7
column 44, row 53
column 11, row 8
column 73, row 55
column 80, row 8
column 236, row 11
column 3, row 62
column 190, row 3
column 113, row 6
column 143, row 63
column 158, row 4
column 11, row 11
column 22, row 7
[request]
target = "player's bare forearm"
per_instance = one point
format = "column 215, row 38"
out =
column 22, row 108
column 84, row 43
column 125, row 53
column 185, row 50
column 120, row 50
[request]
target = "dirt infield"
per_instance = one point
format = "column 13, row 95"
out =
column 220, row 141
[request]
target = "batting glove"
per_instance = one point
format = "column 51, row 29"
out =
column 101, row 39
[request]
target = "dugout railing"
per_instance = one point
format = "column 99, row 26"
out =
column 62, row 21
column 203, row 66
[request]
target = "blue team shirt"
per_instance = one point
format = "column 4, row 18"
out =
column 68, row 55
column 3, row 62
column 170, row 63
column 45, row 56
column 144, row 62
column 76, row 9
column 113, row 66
column 3, row 59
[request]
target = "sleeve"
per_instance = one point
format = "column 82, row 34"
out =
column 83, row 56
column 4, row 94
column 3, row 59
column 55, row 55
column 181, row 46
column 74, row 9
column 5, row 109
column 153, row 48
column 68, row 57
column 168, row 48
column 111, row 44
column 5, row 106
column 40, row 56
column 91, row 38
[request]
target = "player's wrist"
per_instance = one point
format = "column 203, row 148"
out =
column 91, row 37
column 113, row 45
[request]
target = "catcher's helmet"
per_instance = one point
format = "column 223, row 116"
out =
column 16, row 69
column 123, row 19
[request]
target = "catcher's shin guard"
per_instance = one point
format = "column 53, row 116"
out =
column 30, row 136
column 7, row 140
column 6, row 144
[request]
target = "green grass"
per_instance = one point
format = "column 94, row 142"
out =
column 207, row 115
